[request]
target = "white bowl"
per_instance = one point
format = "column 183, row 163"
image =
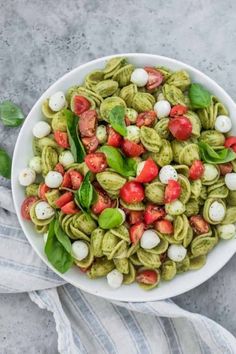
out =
column 23, row 152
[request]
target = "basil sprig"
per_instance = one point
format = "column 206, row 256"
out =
column 10, row 114
column 199, row 96
column 110, row 218
column 86, row 194
column 209, row 155
column 124, row 166
column 76, row 146
column 58, row 248
column 117, row 120
column 5, row 164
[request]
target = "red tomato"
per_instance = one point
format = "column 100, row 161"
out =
column 196, row 170
column 146, row 118
column 132, row 149
column 76, row 179
column 172, row 191
column 153, row 213
column 135, row 216
column 80, row 104
column 155, row 78
column 25, row 207
column 230, row 142
column 102, row 202
column 180, row 128
column 66, row 183
column 87, row 123
column 59, row 168
column 132, row 192
column 43, row 189
column 64, row 199
column 61, row 139
column 136, row 232
column 147, row 276
column 96, row 162
column 70, row 208
column 90, row 144
column 164, row 227
column 114, row 138
column 178, row 110
column 225, row 168
column 199, row 225
column 148, row 173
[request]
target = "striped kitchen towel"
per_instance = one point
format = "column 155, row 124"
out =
column 89, row 324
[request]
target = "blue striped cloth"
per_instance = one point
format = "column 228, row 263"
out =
column 89, row 324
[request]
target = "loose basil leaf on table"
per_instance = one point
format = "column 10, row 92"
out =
column 62, row 236
column 86, row 193
column 209, row 155
column 11, row 115
column 5, row 164
column 199, row 96
column 76, row 146
column 110, row 218
column 117, row 120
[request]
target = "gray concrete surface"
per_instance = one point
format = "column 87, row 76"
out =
column 42, row 40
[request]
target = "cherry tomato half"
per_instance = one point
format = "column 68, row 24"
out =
column 147, row 276
column 155, row 77
column 114, row 138
column 132, row 192
column 90, row 144
column 153, row 213
column 76, row 179
column 164, row 227
column 61, row 139
column 180, row 128
column 25, row 207
column 66, row 183
column 178, row 110
column 64, row 199
column 149, row 172
column 87, row 123
column 96, row 162
column 132, row 149
column 70, row 208
column 43, row 189
column 80, row 104
column 230, row 142
column 135, row 216
column 199, row 225
column 225, row 168
column 59, row 168
column 146, row 118
column 102, row 202
column 172, row 191
column 196, row 170
column 136, row 232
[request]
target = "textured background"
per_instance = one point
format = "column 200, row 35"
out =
column 42, row 40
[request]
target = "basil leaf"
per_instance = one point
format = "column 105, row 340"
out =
column 56, row 253
column 116, row 161
column 62, row 236
column 11, row 115
column 117, row 120
column 209, row 155
column 86, row 192
column 5, row 164
column 199, row 96
column 76, row 146
column 109, row 218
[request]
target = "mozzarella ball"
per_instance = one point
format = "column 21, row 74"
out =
column 131, row 114
column 162, row 108
column 66, row 158
column 36, row 164
column 149, row 239
column 27, row 176
column 101, row 134
column 230, row 181
column 226, row 232
column 133, row 133
column 216, row 211
column 53, row 179
column 115, row 279
column 80, row 250
column 139, row 77
column 210, row 172
column 166, row 173
column 41, row 129
column 176, row 253
column 223, row 124
column 57, row 101
column 43, row 211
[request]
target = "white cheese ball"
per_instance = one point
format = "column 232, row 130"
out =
column 139, row 77
column 43, row 211
column 162, row 108
column 80, row 250
column 101, row 134
column 230, row 181
column 149, row 240
column 36, row 164
column 131, row 114
column 66, row 158
column 226, row 232
column 53, row 179
column 133, row 133
column 166, row 173
column 210, row 172
column 27, row 176
column 57, row 101
column 41, row 129
column 223, row 124
column 176, row 253
column 216, row 211
column 115, row 279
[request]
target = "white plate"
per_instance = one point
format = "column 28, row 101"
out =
column 23, row 152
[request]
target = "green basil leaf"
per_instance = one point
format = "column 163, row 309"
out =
column 11, row 115
column 209, row 155
column 117, row 120
column 76, row 146
column 5, row 164
column 199, row 96
column 62, row 236
column 56, row 253
column 117, row 162
column 109, row 218
column 86, row 192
